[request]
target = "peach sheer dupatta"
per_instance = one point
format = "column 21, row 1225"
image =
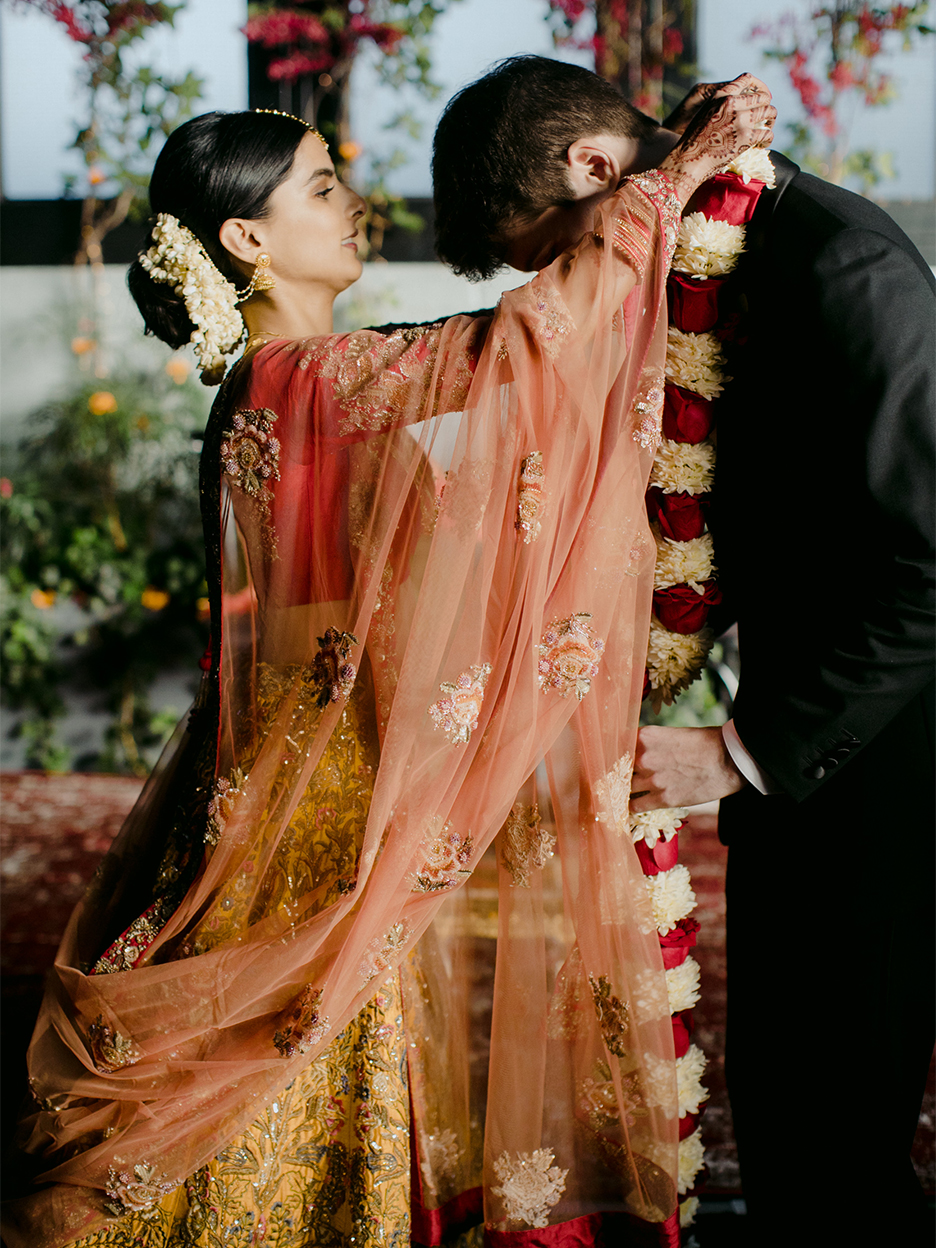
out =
column 480, row 626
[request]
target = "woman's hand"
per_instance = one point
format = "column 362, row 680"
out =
column 721, row 129
column 703, row 92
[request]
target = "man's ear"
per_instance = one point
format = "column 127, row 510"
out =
column 238, row 237
column 593, row 166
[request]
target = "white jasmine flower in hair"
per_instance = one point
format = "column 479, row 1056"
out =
column 683, row 467
column 754, row 163
column 682, row 985
column 683, row 563
column 695, row 362
column 688, row 1210
column 689, row 1071
column 650, row 825
column 706, row 247
column 179, row 260
column 691, row 1160
column 674, row 660
column 671, row 897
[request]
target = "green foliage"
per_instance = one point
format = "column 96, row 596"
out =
column 102, row 545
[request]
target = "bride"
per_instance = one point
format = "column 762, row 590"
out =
column 257, row 1028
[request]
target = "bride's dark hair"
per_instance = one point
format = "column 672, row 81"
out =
column 213, row 167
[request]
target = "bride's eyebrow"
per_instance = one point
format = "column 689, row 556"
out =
column 327, row 172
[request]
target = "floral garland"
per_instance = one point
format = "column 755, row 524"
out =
column 711, row 239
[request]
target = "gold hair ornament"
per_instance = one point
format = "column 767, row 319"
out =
column 275, row 112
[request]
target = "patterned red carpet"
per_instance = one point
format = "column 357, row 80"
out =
column 54, row 829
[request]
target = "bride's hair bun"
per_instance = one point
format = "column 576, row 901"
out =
column 214, row 167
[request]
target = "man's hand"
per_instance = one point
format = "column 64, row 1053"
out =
column 681, row 767
column 745, row 84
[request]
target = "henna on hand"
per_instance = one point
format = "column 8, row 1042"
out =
column 727, row 125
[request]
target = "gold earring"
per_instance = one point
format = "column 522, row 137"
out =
column 261, row 280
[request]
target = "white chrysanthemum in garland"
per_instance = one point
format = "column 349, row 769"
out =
column 179, row 260
column 674, row 660
column 706, row 247
column 696, row 362
column 754, row 163
column 683, row 467
column 688, row 1210
column 689, row 1071
column 650, row 825
column 659, row 1086
column 651, row 996
column 683, row 563
column 682, row 986
column 671, row 897
column 691, row 1160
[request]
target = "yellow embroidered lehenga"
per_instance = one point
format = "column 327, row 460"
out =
column 274, row 1043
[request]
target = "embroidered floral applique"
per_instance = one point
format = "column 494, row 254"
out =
column 110, row 1050
column 457, row 712
column 550, row 319
column 648, row 412
column 613, row 793
column 332, row 669
column 303, row 1026
column 445, row 862
column 382, row 379
column 598, row 1099
column 526, row 846
column 224, row 795
column 250, row 456
column 442, row 1155
column 531, row 499
column 530, row 1185
column 139, row 1191
column 612, row 1014
column 569, row 655
column 380, row 951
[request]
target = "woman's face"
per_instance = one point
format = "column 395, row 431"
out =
column 310, row 232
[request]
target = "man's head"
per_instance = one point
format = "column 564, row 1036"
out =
column 523, row 156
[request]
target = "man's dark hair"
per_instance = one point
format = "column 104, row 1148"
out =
column 499, row 154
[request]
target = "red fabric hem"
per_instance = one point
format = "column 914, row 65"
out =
column 431, row 1227
column 593, row 1230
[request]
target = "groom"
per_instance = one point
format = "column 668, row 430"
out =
column 823, row 526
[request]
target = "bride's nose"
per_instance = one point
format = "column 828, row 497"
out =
column 357, row 207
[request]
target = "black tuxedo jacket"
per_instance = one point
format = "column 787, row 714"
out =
column 823, row 514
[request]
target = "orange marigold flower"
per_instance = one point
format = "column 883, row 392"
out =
column 154, row 599
column 349, row 151
column 42, row 598
column 82, row 345
column 178, row 369
column 102, row 402
column 96, row 175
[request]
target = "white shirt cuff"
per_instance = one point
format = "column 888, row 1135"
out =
column 744, row 762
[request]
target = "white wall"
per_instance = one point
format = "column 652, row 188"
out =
column 40, row 310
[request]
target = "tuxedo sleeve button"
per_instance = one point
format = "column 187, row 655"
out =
column 816, row 772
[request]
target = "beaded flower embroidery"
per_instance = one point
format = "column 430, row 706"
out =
column 531, row 500
column 569, row 655
column 529, row 1186
column 332, row 669
column 138, row 1191
column 111, row 1051
column 457, row 712
column 250, row 456
column 446, row 861
column 527, row 846
column 303, row 1025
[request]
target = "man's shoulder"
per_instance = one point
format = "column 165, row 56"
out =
column 809, row 213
